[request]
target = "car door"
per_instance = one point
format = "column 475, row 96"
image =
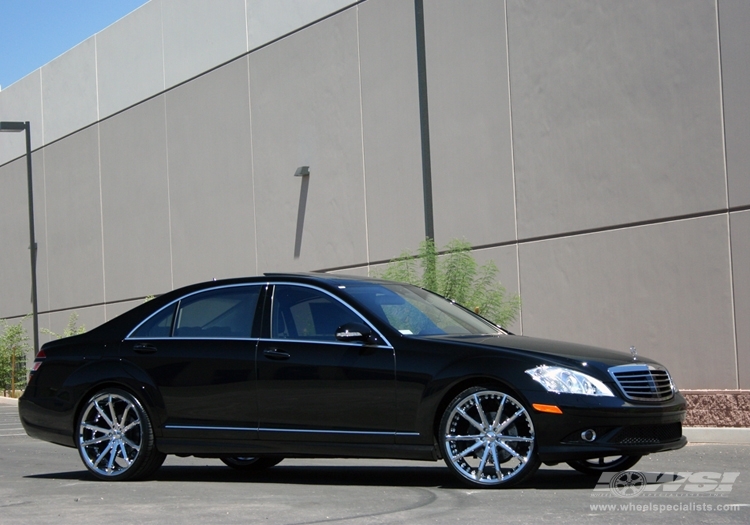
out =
column 199, row 352
column 314, row 387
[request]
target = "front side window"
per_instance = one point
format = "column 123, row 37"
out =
column 307, row 314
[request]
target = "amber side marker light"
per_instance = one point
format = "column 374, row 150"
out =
column 550, row 409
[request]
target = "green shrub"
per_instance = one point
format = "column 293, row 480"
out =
column 70, row 329
column 14, row 345
column 456, row 275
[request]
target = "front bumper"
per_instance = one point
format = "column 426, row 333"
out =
column 621, row 428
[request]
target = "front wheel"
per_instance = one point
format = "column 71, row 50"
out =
column 251, row 463
column 487, row 439
column 594, row 467
column 115, row 438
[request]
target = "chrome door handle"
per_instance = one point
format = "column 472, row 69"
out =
column 275, row 353
column 144, row 348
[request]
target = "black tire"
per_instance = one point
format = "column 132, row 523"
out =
column 115, row 438
column 251, row 463
column 594, row 467
column 487, row 439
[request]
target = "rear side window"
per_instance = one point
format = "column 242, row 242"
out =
column 214, row 314
column 160, row 325
column 224, row 313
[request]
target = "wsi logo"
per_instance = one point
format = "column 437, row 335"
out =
column 632, row 483
column 627, row 484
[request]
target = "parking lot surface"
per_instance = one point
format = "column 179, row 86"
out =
column 44, row 483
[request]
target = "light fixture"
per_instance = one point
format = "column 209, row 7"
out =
column 302, row 171
column 13, row 126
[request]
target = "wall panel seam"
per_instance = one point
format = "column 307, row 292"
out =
column 362, row 141
column 572, row 234
column 169, row 195
column 512, row 159
column 252, row 164
column 46, row 225
column 183, row 82
column 101, row 215
column 96, row 75
column 726, row 188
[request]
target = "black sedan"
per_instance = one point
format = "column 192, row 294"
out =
column 255, row 370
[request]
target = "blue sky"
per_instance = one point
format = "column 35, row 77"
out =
column 35, row 32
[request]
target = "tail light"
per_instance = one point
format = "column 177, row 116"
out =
column 38, row 361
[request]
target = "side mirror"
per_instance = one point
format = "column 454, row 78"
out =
column 354, row 332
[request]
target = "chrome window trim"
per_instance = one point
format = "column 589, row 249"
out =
column 200, row 427
column 307, row 341
column 386, row 343
column 291, row 430
column 340, row 432
column 172, row 303
column 256, row 339
column 253, row 339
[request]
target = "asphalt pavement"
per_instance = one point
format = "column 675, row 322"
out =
column 44, row 483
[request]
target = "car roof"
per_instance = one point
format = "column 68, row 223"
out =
column 332, row 278
column 124, row 322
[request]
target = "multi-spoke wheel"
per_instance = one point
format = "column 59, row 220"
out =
column 596, row 466
column 115, row 438
column 487, row 438
column 251, row 463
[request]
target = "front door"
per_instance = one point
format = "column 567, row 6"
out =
column 313, row 387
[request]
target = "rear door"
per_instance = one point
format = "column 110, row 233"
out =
column 200, row 353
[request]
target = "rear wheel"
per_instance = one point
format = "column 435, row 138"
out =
column 115, row 438
column 487, row 439
column 251, row 463
column 594, row 467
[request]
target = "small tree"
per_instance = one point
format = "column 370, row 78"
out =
column 14, row 344
column 457, row 276
column 70, row 329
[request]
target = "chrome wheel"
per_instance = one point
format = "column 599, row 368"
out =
column 596, row 466
column 488, row 439
column 250, row 462
column 115, row 439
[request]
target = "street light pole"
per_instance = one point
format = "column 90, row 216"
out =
column 16, row 127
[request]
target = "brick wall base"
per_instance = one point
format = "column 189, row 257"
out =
column 717, row 408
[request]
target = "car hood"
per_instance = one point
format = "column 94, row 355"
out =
column 553, row 350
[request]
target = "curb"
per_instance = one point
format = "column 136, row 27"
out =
column 732, row 436
column 8, row 401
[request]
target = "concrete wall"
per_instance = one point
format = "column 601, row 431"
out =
column 597, row 151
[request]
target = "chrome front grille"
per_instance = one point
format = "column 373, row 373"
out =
column 643, row 382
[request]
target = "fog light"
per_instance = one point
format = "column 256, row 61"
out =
column 588, row 435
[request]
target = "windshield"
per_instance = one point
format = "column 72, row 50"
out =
column 414, row 311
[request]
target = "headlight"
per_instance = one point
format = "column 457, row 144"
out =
column 567, row 381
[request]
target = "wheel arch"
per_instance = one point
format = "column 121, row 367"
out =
column 464, row 384
column 130, row 444
column 502, row 370
column 91, row 379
